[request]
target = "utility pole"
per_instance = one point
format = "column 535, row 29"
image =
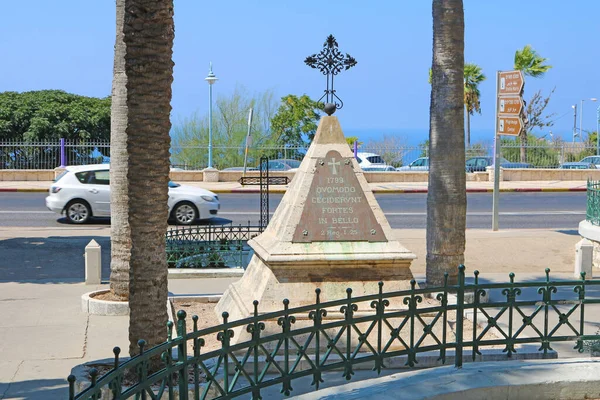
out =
column 574, row 107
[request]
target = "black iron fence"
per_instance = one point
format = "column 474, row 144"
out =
column 451, row 322
column 209, row 246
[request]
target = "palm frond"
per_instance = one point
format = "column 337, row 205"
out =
column 528, row 61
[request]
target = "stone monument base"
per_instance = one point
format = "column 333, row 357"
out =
column 328, row 233
column 270, row 285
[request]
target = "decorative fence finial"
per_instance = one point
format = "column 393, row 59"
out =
column 330, row 61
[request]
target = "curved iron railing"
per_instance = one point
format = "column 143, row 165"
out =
column 592, row 214
column 450, row 322
column 209, row 246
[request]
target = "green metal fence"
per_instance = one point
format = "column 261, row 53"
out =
column 279, row 347
column 209, row 246
column 592, row 214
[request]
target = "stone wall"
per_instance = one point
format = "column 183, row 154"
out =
column 27, row 175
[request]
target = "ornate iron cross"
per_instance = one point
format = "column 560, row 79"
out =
column 330, row 61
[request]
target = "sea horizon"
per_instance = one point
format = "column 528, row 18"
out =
column 410, row 137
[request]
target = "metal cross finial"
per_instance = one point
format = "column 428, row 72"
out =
column 330, row 61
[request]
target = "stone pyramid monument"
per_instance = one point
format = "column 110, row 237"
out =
column 328, row 232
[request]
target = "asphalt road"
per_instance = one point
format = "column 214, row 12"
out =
column 550, row 210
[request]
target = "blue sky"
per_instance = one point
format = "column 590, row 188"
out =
column 68, row 45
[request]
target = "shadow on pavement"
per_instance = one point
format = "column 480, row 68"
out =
column 92, row 221
column 55, row 259
column 106, row 221
column 37, row 389
column 571, row 232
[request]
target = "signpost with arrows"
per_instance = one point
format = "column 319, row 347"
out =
column 509, row 121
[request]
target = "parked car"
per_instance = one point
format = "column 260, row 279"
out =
column 369, row 160
column 475, row 164
column 83, row 192
column 591, row 159
column 282, row 165
column 420, row 164
column 240, row 169
column 577, row 165
column 378, row 168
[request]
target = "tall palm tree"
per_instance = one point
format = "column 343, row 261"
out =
column 530, row 63
column 473, row 77
column 446, row 197
column 148, row 33
column 119, row 225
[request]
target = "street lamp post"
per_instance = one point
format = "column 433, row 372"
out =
column 574, row 107
column 597, row 133
column 211, row 78
column 581, row 117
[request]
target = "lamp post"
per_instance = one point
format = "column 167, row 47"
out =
column 597, row 133
column 581, row 117
column 574, row 107
column 211, row 78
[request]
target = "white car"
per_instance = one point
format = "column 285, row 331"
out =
column 83, row 192
column 370, row 160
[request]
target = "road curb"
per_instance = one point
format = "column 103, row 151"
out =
column 390, row 191
column 30, row 190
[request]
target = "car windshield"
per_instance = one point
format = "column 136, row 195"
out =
column 375, row 160
column 173, row 184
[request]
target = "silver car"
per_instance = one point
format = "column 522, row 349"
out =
column 420, row 164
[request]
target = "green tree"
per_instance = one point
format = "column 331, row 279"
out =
column 540, row 153
column 446, row 195
column 296, row 120
column 473, row 77
column 230, row 127
column 530, row 63
column 53, row 114
column 351, row 139
column 48, row 115
column 148, row 33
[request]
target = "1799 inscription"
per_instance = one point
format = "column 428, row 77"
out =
column 336, row 208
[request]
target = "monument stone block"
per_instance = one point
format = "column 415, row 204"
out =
column 328, row 233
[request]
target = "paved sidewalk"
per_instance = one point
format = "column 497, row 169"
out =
column 382, row 187
column 45, row 334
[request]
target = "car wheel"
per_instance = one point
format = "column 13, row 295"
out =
column 185, row 213
column 78, row 212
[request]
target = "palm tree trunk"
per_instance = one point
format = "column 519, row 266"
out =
column 148, row 36
column 119, row 228
column 468, row 128
column 446, row 198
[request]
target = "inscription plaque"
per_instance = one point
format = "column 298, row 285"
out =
column 336, row 208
